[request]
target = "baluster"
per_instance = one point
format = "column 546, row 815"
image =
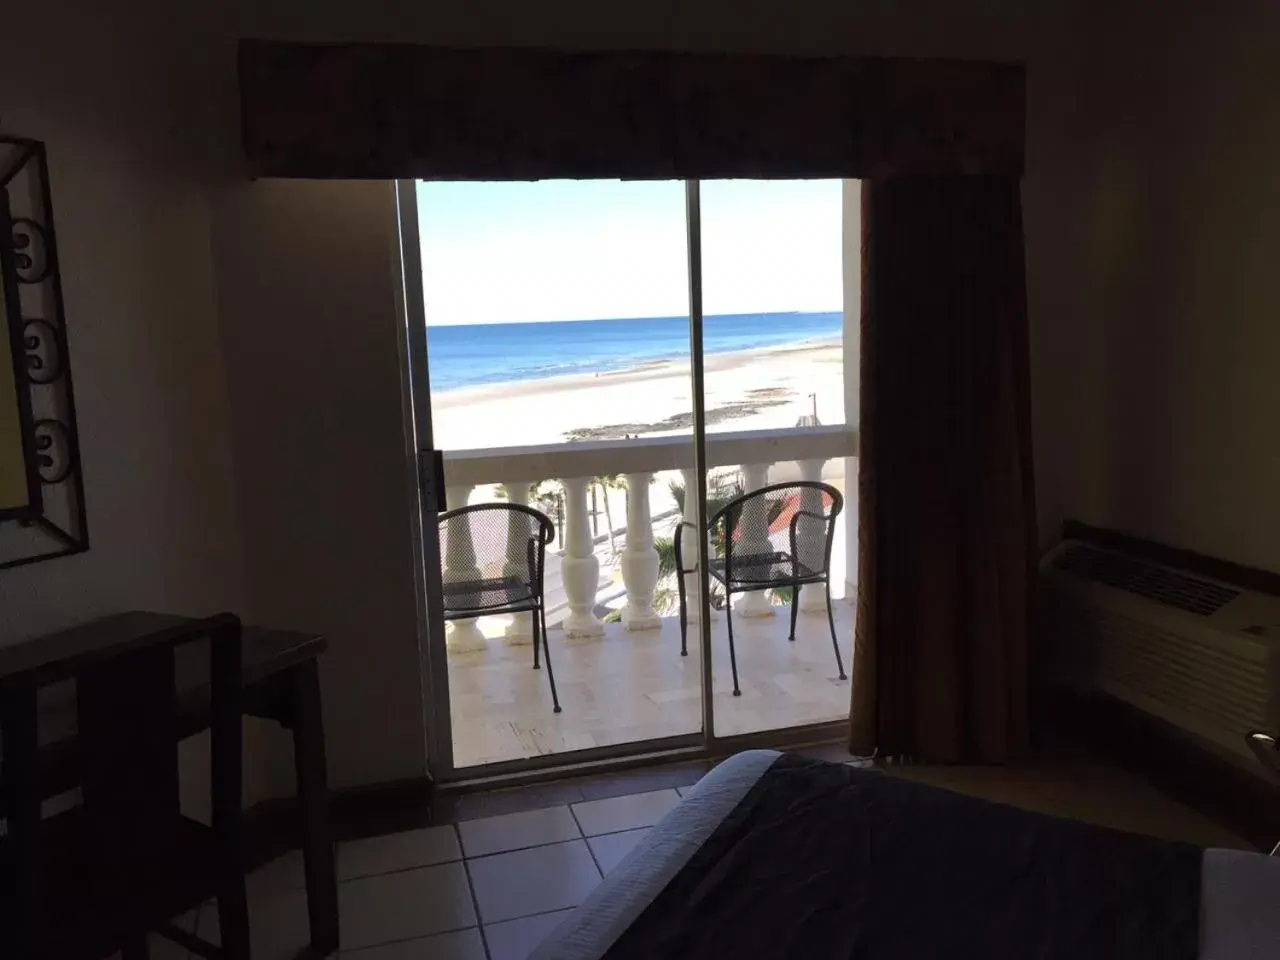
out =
column 579, row 566
column 753, row 538
column 461, row 636
column 639, row 558
column 520, row 630
column 812, row 597
column 689, row 547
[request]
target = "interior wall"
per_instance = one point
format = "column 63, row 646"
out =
column 307, row 275
column 1157, row 369
column 125, row 121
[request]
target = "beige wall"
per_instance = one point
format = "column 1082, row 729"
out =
column 126, row 122
column 307, row 274
column 1158, row 355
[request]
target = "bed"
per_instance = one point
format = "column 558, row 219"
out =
column 775, row 856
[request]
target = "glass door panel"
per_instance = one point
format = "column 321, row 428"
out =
column 557, row 343
column 778, row 403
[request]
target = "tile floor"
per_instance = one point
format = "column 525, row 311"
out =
column 490, row 887
column 492, row 884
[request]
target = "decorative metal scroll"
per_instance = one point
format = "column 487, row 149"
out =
column 42, row 510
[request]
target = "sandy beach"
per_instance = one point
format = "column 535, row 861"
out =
column 759, row 389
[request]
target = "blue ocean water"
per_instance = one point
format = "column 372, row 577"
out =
column 470, row 356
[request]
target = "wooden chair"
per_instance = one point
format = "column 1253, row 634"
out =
column 102, row 876
column 778, row 536
column 505, row 547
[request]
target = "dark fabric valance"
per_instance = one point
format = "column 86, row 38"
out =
column 401, row 111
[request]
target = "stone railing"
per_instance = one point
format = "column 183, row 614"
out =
column 757, row 454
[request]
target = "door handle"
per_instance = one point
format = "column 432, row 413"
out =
column 431, row 479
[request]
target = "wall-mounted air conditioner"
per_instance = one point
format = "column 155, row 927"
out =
column 1198, row 653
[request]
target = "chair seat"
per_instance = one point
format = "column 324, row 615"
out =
column 464, row 598
column 762, row 569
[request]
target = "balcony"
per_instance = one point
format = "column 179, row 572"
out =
column 614, row 629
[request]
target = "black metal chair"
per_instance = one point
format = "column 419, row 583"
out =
column 777, row 536
column 500, row 582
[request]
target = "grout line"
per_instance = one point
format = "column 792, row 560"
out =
column 587, row 841
column 475, row 905
column 383, row 943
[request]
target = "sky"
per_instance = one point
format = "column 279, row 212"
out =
column 594, row 249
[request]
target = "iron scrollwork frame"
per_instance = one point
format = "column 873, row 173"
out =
column 53, row 523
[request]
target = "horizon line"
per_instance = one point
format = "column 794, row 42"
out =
column 675, row 316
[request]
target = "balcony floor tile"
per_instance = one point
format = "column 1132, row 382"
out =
column 628, row 687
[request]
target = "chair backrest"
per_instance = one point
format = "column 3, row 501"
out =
column 485, row 538
column 128, row 718
column 796, row 517
column 93, row 878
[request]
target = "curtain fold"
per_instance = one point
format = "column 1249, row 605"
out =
column 946, row 506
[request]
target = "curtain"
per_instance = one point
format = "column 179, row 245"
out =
column 392, row 110
column 946, row 511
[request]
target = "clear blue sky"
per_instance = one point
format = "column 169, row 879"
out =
column 590, row 249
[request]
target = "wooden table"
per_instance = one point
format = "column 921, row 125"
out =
column 281, row 683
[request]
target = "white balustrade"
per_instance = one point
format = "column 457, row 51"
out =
column 638, row 460
column 639, row 558
column 753, row 538
column 812, row 597
column 689, row 547
column 461, row 636
column 520, row 630
column 579, row 566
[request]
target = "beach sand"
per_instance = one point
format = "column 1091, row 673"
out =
column 761, row 389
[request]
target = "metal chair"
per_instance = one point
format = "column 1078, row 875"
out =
column 503, row 549
column 777, row 536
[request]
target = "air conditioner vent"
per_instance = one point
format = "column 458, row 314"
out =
column 1137, row 576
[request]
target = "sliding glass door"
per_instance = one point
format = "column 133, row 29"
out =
column 598, row 368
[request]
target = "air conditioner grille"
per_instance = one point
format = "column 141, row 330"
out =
column 1136, row 576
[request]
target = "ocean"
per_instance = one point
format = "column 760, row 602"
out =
column 479, row 354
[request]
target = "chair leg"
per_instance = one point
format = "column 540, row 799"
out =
column 551, row 676
column 795, row 607
column 831, row 619
column 533, row 616
column 312, row 777
column 684, row 619
column 233, row 922
column 733, row 657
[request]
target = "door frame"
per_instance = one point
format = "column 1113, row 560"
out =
column 437, row 715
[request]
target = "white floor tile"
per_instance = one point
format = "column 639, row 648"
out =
column 624, row 813
column 458, row 945
column 514, row 831
column 397, row 851
column 539, row 880
column 685, row 791
column 400, row 906
column 611, row 848
column 278, row 926
column 279, row 876
column 515, row 939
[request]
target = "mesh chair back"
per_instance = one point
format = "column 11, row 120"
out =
column 493, row 557
column 777, row 533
